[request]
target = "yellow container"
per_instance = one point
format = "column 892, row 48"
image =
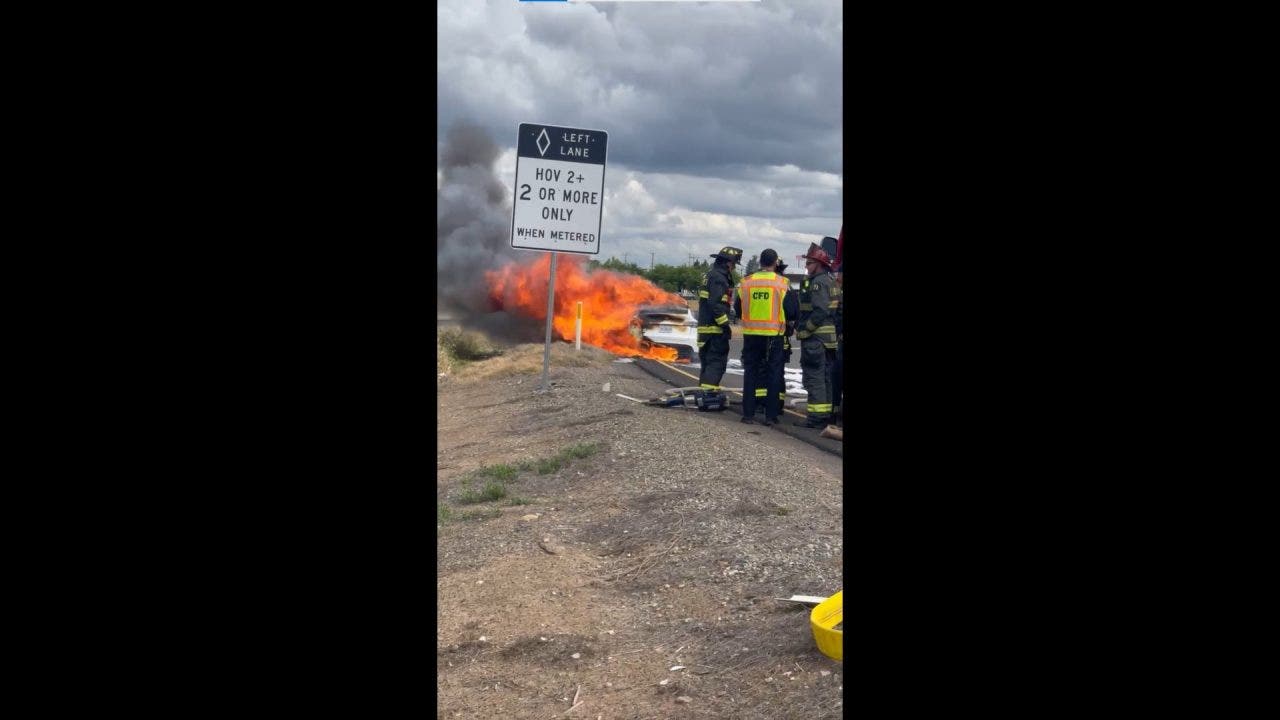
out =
column 825, row 616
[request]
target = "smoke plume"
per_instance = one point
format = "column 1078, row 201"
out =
column 473, row 234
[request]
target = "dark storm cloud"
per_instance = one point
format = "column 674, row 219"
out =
column 724, row 119
column 680, row 87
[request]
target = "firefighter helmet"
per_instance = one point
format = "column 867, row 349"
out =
column 817, row 253
column 729, row 254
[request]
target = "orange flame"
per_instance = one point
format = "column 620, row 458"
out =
column 609, row 301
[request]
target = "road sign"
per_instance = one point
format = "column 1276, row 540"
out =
column 559, row 189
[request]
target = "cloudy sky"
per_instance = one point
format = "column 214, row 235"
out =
column 724, row 118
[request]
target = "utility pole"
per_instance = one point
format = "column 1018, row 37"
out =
column 624, row 258
column 650, row 260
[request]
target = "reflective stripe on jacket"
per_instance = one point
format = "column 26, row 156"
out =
column 817, row 307
column 713, row 307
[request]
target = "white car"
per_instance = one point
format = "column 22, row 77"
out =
column 668, row 326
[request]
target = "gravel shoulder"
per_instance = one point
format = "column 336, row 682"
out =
column 661, row 549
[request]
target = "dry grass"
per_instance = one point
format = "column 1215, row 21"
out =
column 527, row 360
column 457, row 348
column 444, row 363
column 466, row 345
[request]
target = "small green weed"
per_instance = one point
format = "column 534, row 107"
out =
column 481, row 514
column 497, row 472
column 517, row 500
column 444, row 514
column 582, row 450
column 549, row 465
column 563, row 458
column 493, row 490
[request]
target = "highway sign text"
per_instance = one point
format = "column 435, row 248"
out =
column 559, row 193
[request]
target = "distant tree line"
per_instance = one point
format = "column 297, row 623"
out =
column 672, row 278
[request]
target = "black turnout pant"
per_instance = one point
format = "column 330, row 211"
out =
column 816, row 360
column 761, row 366
column 836, row 370
column 782, row 375
column 713, row 354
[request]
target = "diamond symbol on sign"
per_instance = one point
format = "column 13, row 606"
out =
column 543, row 142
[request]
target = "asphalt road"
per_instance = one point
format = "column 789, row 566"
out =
column 735, row 343
column 735, row 353
column 735, row 348
column 678, row 375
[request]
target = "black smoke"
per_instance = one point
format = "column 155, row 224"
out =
column 473, row 234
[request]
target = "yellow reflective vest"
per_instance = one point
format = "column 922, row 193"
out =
column 760, row 295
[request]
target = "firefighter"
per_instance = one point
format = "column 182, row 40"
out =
column 837, row 363
column 834, row 247
column 713, row 318
column 817, row 334
column 790, row 311
column 759, row 303
column 837, row 384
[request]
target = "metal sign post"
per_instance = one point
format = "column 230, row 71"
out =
column 546, row 350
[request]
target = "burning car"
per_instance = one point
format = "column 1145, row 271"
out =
column 671, row 326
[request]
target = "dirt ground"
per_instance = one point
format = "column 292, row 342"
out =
column 639, row 578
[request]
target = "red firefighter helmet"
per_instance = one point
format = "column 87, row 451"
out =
column 817, row 253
